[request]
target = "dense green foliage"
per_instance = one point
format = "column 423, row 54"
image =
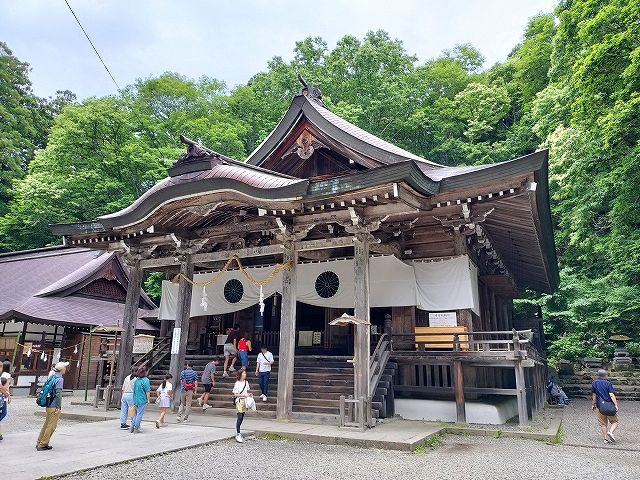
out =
column 571, row 84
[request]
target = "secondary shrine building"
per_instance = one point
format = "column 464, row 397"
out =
column 322, row 219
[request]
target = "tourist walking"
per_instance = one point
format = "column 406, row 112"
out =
column 188, row 385
column 604, row 401
column 165, row 392
column 53, row 407
column 230, row 349
column 241, row 393
column 126, row 401
column 5, row 392
column 244, row 347
column 263, row 370
column 141, row 397
column 208, row 382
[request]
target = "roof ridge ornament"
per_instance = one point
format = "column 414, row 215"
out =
column 197, row 158
column 310, row 91
column 194, row 149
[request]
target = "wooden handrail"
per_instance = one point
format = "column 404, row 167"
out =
column 378, row 361
column 147, row 358
column 519, row 341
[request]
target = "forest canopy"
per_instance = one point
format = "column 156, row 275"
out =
column 571, row 85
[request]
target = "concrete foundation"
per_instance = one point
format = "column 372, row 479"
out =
column 488, row 412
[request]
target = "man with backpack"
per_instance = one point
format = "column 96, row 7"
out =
column 50, row 398
column 188, row 385
column 603, row 399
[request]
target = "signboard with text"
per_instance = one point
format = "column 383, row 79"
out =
column 443, row 319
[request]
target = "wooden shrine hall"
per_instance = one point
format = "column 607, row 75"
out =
column 324, row 218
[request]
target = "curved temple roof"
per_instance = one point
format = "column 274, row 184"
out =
column 202, row 177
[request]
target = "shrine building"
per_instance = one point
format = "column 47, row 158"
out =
column 322, row 219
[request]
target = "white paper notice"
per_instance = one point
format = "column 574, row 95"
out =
column 175, row 342
column 442, row 319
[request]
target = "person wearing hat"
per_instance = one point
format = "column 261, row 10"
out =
column 605, row 403
column 53, row 412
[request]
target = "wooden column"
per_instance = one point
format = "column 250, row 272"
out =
column 458, row 387
column 181, row 325
column 361, row 311
column 287, row 351
column 132, row 301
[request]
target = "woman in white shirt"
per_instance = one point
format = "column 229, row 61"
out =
column 241, row 393
column 165, row 392
column 126, row 401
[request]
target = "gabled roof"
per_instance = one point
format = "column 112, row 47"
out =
column 43, row 286
column 311, row 108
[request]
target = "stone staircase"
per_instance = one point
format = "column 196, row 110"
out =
column 318, row 383
column 626, row 383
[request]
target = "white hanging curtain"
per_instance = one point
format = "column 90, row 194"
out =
column 217, row 302
column 447, row 285
column 436, row 286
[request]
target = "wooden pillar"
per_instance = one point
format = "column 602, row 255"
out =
column 521, row 389
column 458, row 387
column 181, row 325
column 132, row 301
column 361, row 311
column 287, row 351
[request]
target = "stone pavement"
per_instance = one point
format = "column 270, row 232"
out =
column 392, row 435
column 89, row 445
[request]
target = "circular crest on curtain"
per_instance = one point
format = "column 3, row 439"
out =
column 327, row 284
column 233, row 291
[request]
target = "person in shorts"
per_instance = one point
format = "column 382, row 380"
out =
column 605, row 403
column 208, row 382
column 230, row 349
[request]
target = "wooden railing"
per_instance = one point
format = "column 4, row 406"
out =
column 271, row 339
column 514, row 341
column 155, row 356
column 379, row 359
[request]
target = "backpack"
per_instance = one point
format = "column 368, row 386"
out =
column 187, row 385
column 47, row 393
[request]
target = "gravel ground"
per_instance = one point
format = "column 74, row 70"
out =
column 580, row 426
column 21, row 416
column 456, row 458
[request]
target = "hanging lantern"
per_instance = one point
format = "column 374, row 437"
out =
column 42, row 356
column 28, row 353
column 78, row 364
column 75, row 349
column 261, row 301
column 45, row 358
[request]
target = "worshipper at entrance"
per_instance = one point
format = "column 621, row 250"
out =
column 126, row 402
column 52, row 412
column 230, row 349
column 263, row 370
column 604, row 401
column 208, row 382
column 244, row 347
column 241, row 393
column 141, row 397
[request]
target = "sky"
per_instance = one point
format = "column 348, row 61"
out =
column 233, row 40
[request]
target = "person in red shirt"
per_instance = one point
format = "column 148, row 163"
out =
column 244, row 347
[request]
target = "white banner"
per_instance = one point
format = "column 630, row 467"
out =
column 435, row 286
column 447, row 285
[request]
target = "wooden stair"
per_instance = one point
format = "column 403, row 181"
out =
column 318, row 383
